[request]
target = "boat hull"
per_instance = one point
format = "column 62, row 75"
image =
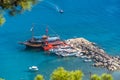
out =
column 33, row 46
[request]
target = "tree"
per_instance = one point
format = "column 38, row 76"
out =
column 2, row 20
column 95, row 77
column 14, row 7
column 2, row 79
column 106, row 77
column 14, row 4
column 39, row 77
column 76, row 75
column 62, row 74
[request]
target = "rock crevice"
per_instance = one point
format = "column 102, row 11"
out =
column 98, row 55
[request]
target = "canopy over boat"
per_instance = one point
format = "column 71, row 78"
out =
column 52, row 39
column 37, row 37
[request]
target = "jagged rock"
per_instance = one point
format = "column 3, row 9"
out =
column 99, row 56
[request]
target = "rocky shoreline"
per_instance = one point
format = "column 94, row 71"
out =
column 96, row 54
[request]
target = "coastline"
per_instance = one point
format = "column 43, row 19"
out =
column 92, row 51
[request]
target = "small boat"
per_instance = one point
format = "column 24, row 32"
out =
column 83, row 56
column 61, row 11
column 87, row 60
column 64, row 50
column 68, row 54
column 33, row 68
column 79, row 54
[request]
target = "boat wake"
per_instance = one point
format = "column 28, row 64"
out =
column 53, row 6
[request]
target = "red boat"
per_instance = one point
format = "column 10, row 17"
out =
column 54, row 44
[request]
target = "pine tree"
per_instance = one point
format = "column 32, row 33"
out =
column 62, row 74
column 95, row 77
column 39, row 77
column 13, row 7
column 106, row 77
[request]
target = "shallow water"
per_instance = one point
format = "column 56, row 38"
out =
column 97, row 21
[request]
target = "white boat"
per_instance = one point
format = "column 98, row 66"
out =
column 79, row 54
column 64, row 51
column 33, row 68
column 69, row 54
column 61, row 11
column 87, row 60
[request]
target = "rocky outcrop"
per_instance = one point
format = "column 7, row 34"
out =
column 98, row 55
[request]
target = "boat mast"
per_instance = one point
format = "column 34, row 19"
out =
column 46, row 30
column 32, row 30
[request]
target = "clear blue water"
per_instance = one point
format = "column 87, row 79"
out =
column 95, row 20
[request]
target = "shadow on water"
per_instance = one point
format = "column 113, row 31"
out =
column 34, row 50
column 38, row 51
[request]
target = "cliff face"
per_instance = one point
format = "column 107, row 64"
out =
column 98, row 55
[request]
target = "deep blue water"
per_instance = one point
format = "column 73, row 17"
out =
column 95, row 20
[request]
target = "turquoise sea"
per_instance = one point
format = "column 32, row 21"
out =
column 95, row 20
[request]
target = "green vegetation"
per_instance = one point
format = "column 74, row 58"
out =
column 39, row 77
column 13, row 7
column 2, row 20
column 76, row 75
column 103, row 77
column 62, row 74
column 17, row 5
column 2, row 79
column 106, row 77
column 95, row 77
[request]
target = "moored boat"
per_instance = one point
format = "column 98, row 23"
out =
column 87, row 60
column 64, row 51
column 44, row 42
column 33, row 68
